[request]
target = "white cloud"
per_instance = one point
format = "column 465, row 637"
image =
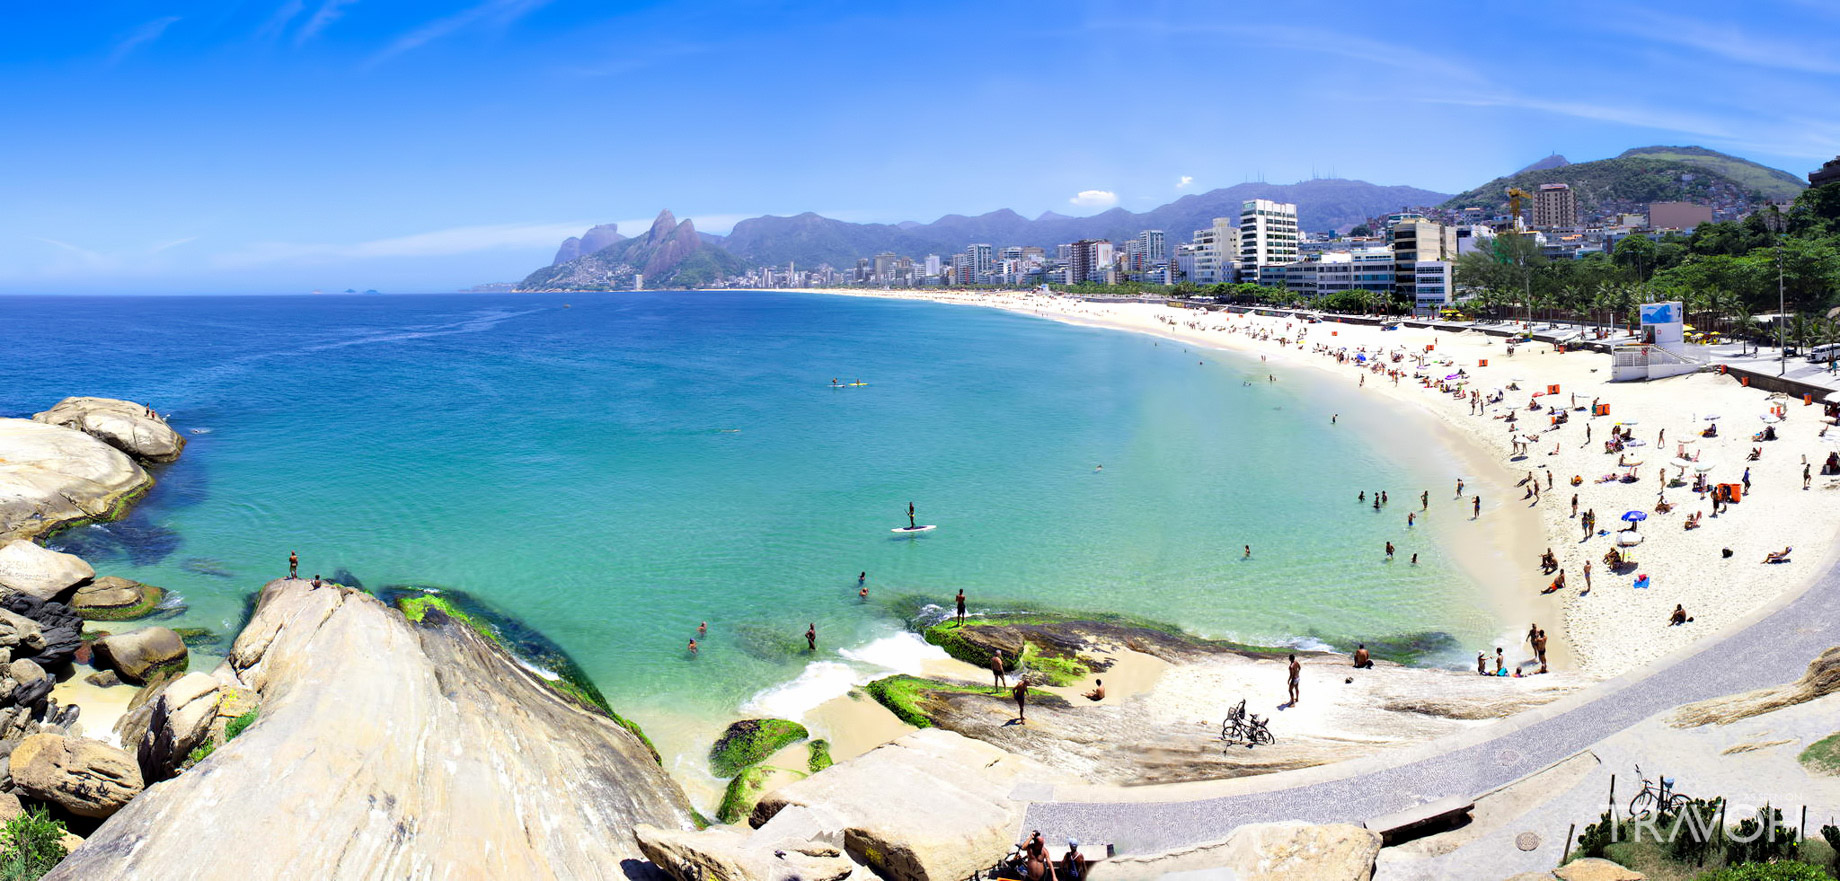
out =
column 1803, row 53
column 1184, row 182
column 327, row 13
column 144, row 34
column 1094, row 199
column 496, row 13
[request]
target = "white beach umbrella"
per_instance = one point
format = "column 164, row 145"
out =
column 1684, row 462
column 1703, row 467
column 1629, row 539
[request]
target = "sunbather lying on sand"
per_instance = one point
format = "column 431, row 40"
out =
column 1781, row 556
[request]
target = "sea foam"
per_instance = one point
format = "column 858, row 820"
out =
column 825, row 680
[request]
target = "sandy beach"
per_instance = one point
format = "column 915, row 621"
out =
column 1613, row 627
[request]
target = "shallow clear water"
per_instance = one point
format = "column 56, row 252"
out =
column 617, row 471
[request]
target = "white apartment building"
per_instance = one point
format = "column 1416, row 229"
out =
column 1432, row 286
column 1267, row 236
column 1215, row 250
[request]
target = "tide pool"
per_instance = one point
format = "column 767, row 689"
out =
column 614, row 469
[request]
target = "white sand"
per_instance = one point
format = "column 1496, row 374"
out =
column 1613, row 628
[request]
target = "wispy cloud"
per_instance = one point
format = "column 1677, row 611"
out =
column 437, row 243
column 1627, row 114
column 327, row 13
column 492, row 13
column 1805, row 53
column 1094, row 199
column 139, row 37
column 1183, row 182
column 279, row 21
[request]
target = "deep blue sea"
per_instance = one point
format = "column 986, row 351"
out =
column 616, row 468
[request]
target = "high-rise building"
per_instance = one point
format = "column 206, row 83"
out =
column 884, row 267
column 1555, row 206
column 1088, row 260
column 982, row 256
column 932, row 266
column 1415, row 239
column 1150, row 244
column 1267, row 236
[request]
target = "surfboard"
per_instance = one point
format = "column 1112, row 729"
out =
column 910, row 530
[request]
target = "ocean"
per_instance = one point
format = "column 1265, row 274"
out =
column 614, row 469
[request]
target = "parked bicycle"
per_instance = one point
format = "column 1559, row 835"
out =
column 1656, row 798
column 1251, row 730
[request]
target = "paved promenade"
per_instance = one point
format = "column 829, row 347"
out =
column 1772, row 650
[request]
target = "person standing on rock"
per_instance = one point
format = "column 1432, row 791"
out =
column 997, row 676
column 811, row 637
column 961, row 605
column 293, row 565
column 1296, row 681
column 1021, row 693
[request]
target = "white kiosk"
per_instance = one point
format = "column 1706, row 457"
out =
column 1663, row 350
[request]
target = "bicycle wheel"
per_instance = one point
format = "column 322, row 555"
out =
column 1643, row 804
column 1262, row 737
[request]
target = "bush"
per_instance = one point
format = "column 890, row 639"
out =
column 1765, row 845
column 31, row 844
column 1768, row 872
column 1687, row 847
column 238, row 724
column 1832, row 835
column 1598, row 836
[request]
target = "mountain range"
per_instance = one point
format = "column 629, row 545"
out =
column 674, row 254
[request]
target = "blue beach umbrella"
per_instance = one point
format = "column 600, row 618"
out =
column 1634, row 517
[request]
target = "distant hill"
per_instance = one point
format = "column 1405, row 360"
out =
column 670, row 254
column 593, row 240
column 809, row 239
column 1553, row 161
column 1632, row 180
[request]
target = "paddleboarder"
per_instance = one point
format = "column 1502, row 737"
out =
column 910, row 516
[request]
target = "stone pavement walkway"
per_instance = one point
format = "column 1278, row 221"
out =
column 1771, row 651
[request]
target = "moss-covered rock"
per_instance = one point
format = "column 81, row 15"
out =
column 750, row 741
column 111, row 598
column 747, row 788
column 912, row 698
column 820, row 755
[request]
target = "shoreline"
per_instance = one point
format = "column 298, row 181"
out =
column 1607, row 638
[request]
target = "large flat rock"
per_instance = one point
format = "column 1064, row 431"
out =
column 44, row 573
column 931, row 806
column 52, row 476
column 124, row 425
column 386, row 749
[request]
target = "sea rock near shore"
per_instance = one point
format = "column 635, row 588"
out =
column 61, row 627
column 52, row 477
column 86, row 777
column 140, row 656
column 752, row 740
column 112, row 598
column 20, row 635
column 180, row 721
column 123, row 425
column 388, row 748
column 931, row 806
column 44, row 573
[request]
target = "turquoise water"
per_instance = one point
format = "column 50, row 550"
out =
column 617, row 471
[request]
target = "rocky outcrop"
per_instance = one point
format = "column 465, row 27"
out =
column 180, row 721
column 44, row 573
column 953, row 814
column 727, row 853
column 124, row 425
column 20, row 635
column 416, row 750
column 111, row 598
column 1822, row 678
column 139, row 656
column 60, row 627
column 86, row 777
column 51, row 477
column 1301, row 852
column 671, row 253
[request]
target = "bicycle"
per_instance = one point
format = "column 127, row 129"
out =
column 1653, row 799
column 1250, row 730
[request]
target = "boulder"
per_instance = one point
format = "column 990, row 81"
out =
column 1296, row 851
column 104, row 679
column 953, row 815
column 85, row 777
column 141, row 655
column 418, row 749
column 1594, row 869
column 181, row 720
column 111, row 598
column 10, row 806
column 727, row 853
column 124, row 425
column 20, row 635
column 752, row 740
column 52, row 477
column 44, row 573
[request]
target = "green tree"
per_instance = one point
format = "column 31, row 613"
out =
column 1636, row 255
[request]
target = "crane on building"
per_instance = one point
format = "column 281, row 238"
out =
column 1515, row 195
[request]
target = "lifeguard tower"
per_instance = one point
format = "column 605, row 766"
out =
column 1662, row 352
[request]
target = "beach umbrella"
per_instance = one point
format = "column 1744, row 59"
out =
column 1634, row 517
column 1628, row 539
column 1703, row 467
column 1632, row 463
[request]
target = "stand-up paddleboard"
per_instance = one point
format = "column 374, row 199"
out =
column 912, row 530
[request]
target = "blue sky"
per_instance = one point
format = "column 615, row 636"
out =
column 284, row 145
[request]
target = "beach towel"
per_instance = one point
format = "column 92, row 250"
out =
column 1641, row 582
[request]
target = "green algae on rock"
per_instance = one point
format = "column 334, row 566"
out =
column 909, row 697
column 746, row 789
column 820, row 755
column 751, row 741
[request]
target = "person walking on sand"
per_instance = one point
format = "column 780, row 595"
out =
column 1539, row 648
column 1296, row 681
column 1587, row 577
column 811, row 637
column 1807, row 475
column 293, row 565
column 1459, row 487
column 1476, row 509
column 1021, row 693
column 961, row 605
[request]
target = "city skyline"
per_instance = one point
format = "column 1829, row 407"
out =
column 345, row 144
